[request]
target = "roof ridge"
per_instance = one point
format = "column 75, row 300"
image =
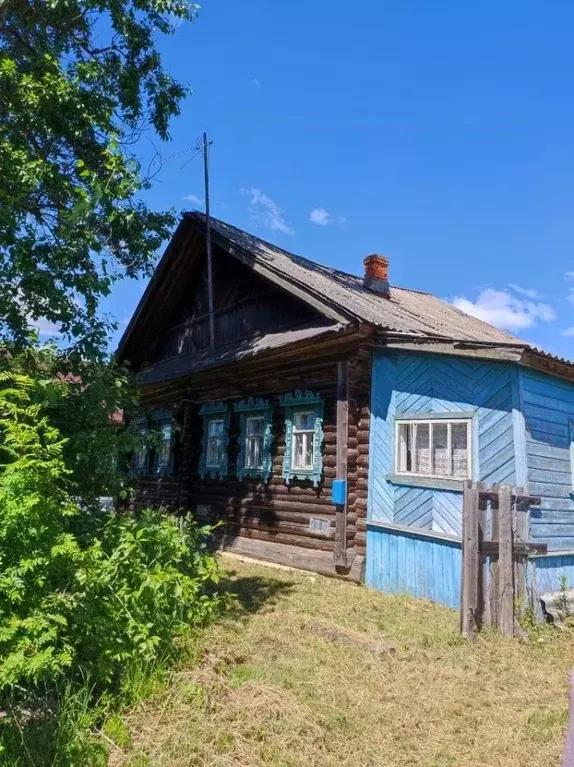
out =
column 331, row 269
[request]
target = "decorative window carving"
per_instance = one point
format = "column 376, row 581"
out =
column 434, row 447
column 255, row 417
column 215, row 417
column 155, row 451
column 162, row 457
column 303, row 436
column 141, row 455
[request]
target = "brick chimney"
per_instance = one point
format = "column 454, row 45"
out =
column 377, row 274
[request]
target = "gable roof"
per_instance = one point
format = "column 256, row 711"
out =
column 406, row 311
column 414, row 315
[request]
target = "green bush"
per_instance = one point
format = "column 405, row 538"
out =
column 83, row 599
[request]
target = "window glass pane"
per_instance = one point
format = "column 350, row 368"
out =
column 304, row 421
column 420, row 435
column 309, row 446
column 254, row 452
column 440, row 448
column 215, row 442
column 255, row 425
column 298, row 450
column 459, row 442
column 215, row 428
column 303, row 445
column 404, row 458
column 214, row 451
column 434, row 448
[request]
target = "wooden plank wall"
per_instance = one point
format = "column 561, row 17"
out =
column 423, row 383
column 405, row 562
column 548, row 406
column 272, row 512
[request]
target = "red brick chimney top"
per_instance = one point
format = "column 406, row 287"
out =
column 377, row 274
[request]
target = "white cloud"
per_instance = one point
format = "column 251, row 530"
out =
column 265, row 212
column 256, row 82
column 193, row 198
column 568, row 331
column 321, row 217
column 570, row 275
column 527, row 292
column 44, row 327
column 504, row 310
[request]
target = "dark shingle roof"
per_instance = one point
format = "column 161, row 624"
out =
column 406, row 311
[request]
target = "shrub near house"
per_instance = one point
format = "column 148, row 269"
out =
column 82, row 597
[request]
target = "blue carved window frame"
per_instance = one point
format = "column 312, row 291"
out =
column 214, row 411
column 141, row 454
column 254, row 407
column 303, row 401
column 155, row 455
column 162, row 457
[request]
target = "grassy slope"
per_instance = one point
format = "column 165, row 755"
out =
column 279, row 684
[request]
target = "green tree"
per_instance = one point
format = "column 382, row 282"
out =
column 85, row 400
column 80, row 82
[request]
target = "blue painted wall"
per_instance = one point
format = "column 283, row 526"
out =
column 549, row 571
column 423, row 383
column 522, row 436
column 547, row 404
column 410, row 563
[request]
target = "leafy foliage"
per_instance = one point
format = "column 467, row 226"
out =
column 85, row 400
column 83, row 607
column 80, row 82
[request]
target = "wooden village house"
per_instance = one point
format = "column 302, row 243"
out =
column 330, row 420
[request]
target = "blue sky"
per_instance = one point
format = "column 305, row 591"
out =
column 438, row 134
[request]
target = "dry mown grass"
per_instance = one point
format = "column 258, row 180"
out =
column 275, row 687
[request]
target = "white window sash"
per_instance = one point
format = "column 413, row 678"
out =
column 402, row 447
column 306, row 435
column 215, row 440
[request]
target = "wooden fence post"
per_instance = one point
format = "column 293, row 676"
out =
column 484, row 615
column 470, row 561
column 505, row 563
column 522, row 535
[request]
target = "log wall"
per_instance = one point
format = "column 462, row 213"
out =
column 272, row 512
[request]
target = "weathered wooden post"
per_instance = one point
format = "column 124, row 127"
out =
column 505, row 563
column 470, row 561
column 490, row 594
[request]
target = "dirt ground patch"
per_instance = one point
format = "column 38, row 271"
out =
column 310, row 671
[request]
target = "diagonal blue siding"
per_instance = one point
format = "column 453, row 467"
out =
column 523, row 437
column 548, row 406
column 420, row 383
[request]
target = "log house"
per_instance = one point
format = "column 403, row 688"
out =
column 335, row 419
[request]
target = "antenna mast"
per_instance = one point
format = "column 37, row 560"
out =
column 208, row 242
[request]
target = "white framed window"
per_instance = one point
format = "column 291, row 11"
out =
column 254, row 441
column 215, row 442
column 434, row 447
column 303, row 449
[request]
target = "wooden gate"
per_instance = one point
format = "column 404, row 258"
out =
column 495, row 549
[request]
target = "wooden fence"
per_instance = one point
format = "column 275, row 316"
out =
column 495, row 549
